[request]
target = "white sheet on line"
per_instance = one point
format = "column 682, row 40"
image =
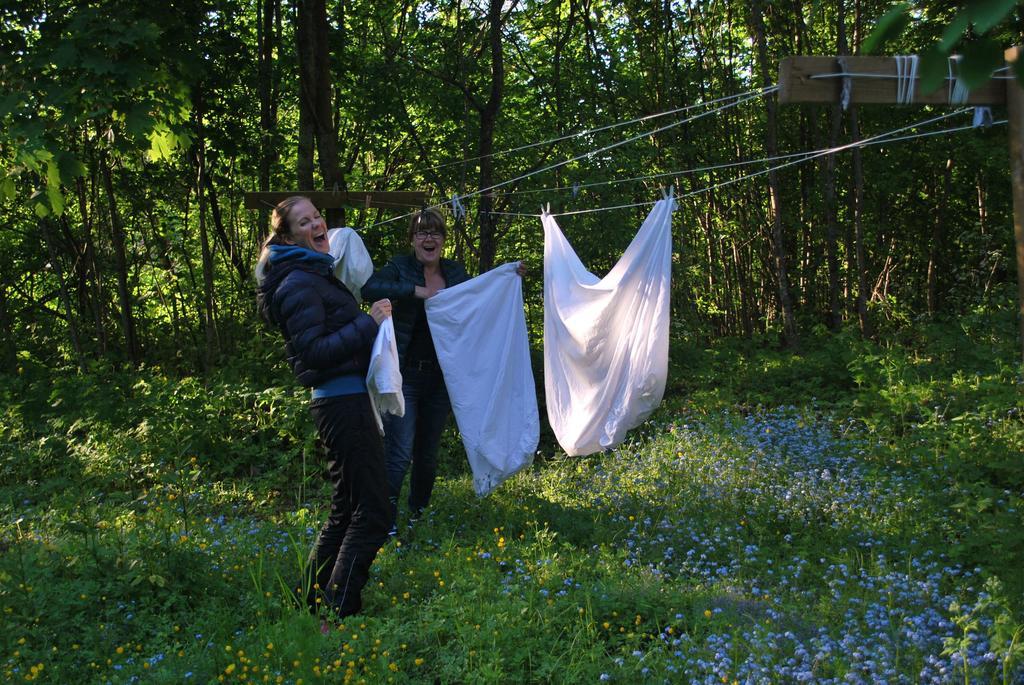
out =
column 479, row 332
column 606, row 340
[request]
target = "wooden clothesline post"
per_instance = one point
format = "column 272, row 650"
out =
column 873, row 81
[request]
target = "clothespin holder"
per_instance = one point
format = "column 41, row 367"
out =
column 545, row 209
column 956, row 88
column 575, row 189
column 668, row 193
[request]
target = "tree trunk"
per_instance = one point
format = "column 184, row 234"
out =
column 982, row 204
column 316, row 112
column 50, row 237
column 835, row 309
column 124, row 295
column 779, row 260
column 92, row 284
column 742, row 280
column 266, row 38
column 10, row 351
column 326, row 127
column 156, row 245
column 938, row 238
column 304, row 37
column 228, row 245
column 488, row 118
column 211, row 351
column 858, row 230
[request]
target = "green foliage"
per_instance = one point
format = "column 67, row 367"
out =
column 889, row 26
column 982, row 54
column 110, row 75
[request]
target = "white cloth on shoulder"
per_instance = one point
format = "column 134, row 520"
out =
column 352, row 263
column 479, row 332
column 606, row 340
column 353, row 267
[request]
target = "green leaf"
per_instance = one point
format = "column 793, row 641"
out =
column 9, row 103
column 139, row 121
column 65, row 55
column 889, row 27
column 52, row 174
column 70, row 167
column 161, row 143
column 980, row 58
column 987, row 13
column 954, row 31
column 41, row 210
column 933, row 69
column 56, row 199
column 7, row 189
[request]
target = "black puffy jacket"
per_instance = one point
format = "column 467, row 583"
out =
column 326, row 334
column 397, row 281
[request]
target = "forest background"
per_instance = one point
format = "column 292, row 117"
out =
column 131, row 132
column 878, row 282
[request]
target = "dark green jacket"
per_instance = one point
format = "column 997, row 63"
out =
column 397, row 281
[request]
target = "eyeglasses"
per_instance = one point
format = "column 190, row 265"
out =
column 423, row 235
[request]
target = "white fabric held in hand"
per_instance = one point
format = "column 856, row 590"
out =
column 384, row 379
column 479, row 332
column 606, row 340
column 352, row 263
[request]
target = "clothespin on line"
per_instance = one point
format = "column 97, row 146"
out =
column 847, row 84
column 982, row 117
column 458, row 210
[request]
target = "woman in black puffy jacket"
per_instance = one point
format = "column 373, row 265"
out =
column 328, row 341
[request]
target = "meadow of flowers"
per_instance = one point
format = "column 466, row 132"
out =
column 717, row 545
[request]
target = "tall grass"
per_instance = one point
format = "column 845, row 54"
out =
column 848, row 514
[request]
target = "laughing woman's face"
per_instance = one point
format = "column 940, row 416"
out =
column 309, row 230
column 428, row 246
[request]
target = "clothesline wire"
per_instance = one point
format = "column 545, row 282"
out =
column 762, row 172
column 591, row 153
column 578, row 134
column 881, row 138
column 581, row 186
column 714, row 167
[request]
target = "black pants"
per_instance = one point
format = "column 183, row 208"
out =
column 360, row 515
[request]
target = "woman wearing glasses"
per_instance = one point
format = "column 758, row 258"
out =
column 407, row 280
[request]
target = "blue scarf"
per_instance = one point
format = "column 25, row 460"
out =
column 286, row 253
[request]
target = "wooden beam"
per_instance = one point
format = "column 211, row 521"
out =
column 1015, row 117
column 328, row 199
column 806, row 79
